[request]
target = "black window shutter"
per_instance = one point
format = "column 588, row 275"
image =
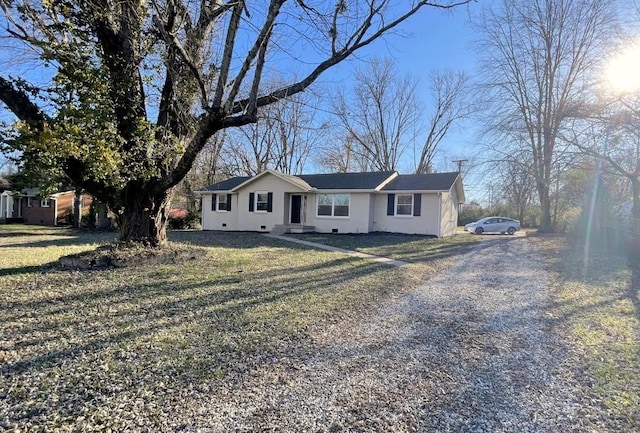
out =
column 270, row 202
column 228, row 202
column 251, row 196
column 391, row 201
column 417, row 202
column 213, row 201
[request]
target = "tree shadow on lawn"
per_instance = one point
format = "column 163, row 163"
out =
column 212, row 238
column 70, row 238
column 138, row 345
column 20, row 270
column 197, row 238
column 604, row 264
column 205, row 318
column 410, row 248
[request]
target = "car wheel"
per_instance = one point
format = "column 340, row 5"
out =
column 511, row 230
column 479, row 230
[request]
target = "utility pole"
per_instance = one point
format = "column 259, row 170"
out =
column 459, row 162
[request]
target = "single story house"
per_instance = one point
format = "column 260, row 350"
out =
column 335, row 203
column 29, row 206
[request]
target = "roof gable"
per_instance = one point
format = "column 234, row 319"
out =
column 294, row 180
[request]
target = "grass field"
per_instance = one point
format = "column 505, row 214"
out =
column 597, row 294
column 99, row 350
column 409, row 248
column 121, row 348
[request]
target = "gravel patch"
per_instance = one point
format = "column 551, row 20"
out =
column 474, row 349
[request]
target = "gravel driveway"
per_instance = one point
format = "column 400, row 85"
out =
column 474, row 349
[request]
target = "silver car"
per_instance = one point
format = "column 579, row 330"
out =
column 493, row 225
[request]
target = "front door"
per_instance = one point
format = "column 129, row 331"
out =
column 296, row 207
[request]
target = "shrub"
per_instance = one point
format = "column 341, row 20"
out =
column 180, row 219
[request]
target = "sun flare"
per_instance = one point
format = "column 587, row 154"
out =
column 623, row 73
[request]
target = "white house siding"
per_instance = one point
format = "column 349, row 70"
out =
column 219, row 220
column 265, row 221
column 425, row 224
column 357, row 222
column 449, row 215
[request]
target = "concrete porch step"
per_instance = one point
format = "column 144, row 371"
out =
column 280, row 229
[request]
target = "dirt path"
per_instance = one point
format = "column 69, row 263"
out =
column 472, row 350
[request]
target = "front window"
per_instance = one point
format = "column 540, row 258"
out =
column 336, row 205
column 262, row 201
column 29, row 202
column 222, row 202
column 45, row 202
column 404, row 204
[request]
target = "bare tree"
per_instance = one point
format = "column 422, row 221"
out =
column 538, row 56
column 296, row 132
column 448, row 89
column 282, row 139
column 195, row 67
column 611, row 135
column 517, row 183
column 380, row 114
column 341, row 156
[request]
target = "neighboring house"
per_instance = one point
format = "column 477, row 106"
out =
column 335, row 203
column 29, row 206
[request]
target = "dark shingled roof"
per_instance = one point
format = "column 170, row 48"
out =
column 367, row 181
column 346, row 180
column 422, row 182
column 228, row 184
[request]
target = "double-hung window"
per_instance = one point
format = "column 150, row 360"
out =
column 222, row 202
column 45, row 202
column 404, row 204
column 333, row 205
column 262, row 201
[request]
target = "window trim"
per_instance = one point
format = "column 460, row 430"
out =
column 218, row 202
column 333, row 206
column 29, row 202
column 397, row 199
column 45, row 202
column 266, row 202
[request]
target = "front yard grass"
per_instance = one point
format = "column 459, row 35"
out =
column 409, row 248
column 597, row 302
column 122, row 349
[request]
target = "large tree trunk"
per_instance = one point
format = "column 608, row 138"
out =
column 546, row 225
column 145, row 215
